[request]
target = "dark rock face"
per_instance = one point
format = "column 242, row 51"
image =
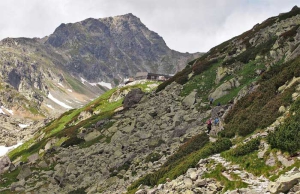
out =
column 116, row 46
column 132, row 98
column 14, row 79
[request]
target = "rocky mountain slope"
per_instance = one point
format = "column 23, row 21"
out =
column 111, row 48
column 41, row 78
column 156, row 141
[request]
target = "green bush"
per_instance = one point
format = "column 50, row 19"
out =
column 286, row 136
column 246, row 148
column 72, row 141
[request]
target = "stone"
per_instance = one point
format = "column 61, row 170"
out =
column 188, row 182
column 132, row 98
column 19, row 184
column 271, row 161
column 71, row 168
column 92, row 135
column 281, row 109
column 10, row 143
column 33, row 158
column 285, row 162
column 190, row 99
column 200, row 182
column 224, row 88
column 4, row 164
column 141, row 191
column 192, row 174
column 284, row 183
column 49, row 144
column 24, row 172
column 221, row 73
column 43, row 164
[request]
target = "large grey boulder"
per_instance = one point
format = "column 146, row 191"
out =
column 285, row 182
column 190, row 99
column 24, row 173
column 132, row 98
column 225, row 88
column 4, row 164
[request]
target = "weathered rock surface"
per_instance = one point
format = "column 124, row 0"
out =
column 132, row 98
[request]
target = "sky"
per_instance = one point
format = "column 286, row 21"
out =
column 185, row 25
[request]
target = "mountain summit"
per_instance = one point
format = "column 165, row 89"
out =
column 115, row 46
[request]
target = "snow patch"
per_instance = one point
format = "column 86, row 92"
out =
column 4, row 150
column 61, row 84
column 23, row 125
column 83, row 80
column 3, row 108
column 68, row 101
column 58, row 102
column 102, row 83
column 108, row 85
column 70, row 90
column 1, row 111
column 49, row 106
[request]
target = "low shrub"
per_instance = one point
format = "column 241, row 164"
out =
column 246, row 148
column 174, row 168
column 72, row 141
column 286, row 136
column 260, row 108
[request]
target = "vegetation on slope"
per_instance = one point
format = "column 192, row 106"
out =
column 260, row 108
column 186, row 157
column 67, row 126
column 286, row 136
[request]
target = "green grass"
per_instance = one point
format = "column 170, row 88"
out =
column 75, row 84
column 286, row 136
column 9, row 177
column 251, row 163
column 225, row 182
column 203, row 82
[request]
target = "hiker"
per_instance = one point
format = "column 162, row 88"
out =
column 216, row 121
column 219, row 104
column 211, row 100
column 208, row 122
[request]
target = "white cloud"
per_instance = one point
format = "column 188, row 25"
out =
column 193, row 25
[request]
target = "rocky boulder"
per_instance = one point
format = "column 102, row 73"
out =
column 132, row 98
column 224, row 88
column 4, row 164
column 285, row 182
